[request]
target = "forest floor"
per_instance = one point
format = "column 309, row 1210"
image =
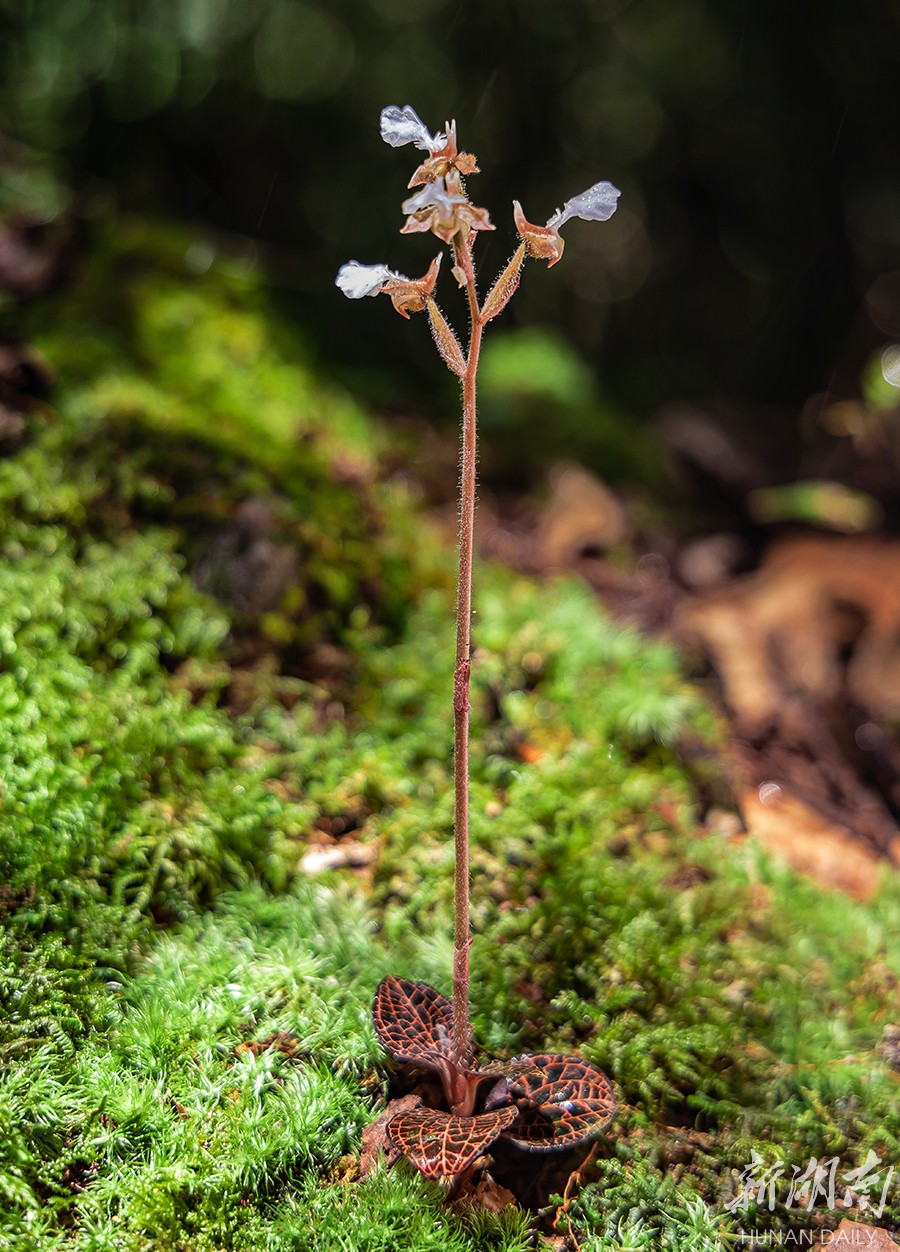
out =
column 226, row 662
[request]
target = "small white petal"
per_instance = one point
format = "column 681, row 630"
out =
column 597, row 204
column 403, row 126
column 356, row 280
column 431, row 194
column 424, row 198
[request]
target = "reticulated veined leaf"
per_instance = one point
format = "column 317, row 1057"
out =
column 413, row 1022
column 562, row 1101
column 442, row 1144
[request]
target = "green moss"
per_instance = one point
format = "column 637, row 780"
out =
column 185, row 402
column 165, row 1130
column 118, row 787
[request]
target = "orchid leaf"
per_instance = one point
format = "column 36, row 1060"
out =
column 413, row 1022
column 442, row 1144
column 562, row 1101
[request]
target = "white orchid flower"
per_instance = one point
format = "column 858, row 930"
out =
column 357, row 280
column 597, row 204
column 403, row 126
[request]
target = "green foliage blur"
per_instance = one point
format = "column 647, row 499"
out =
column 756, row 148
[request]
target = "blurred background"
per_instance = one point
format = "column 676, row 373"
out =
column 752, row 271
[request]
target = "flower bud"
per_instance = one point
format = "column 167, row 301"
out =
column 447, row 343
column 504, row 288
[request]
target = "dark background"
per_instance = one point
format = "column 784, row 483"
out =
column 754, row 259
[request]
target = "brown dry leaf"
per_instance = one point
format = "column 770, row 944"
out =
column 582, row 515
column 487, row 1196
column 12, row 429
column 856, row 1237
column 177, row 1107
column 808, row 652
column 786, row 626
column 530, row 753
column 33, row 259
column 282, row 1041
column 374, row 1136
column 13, row 898
column 889, row 1047
column 737, row 648
column 809, row 843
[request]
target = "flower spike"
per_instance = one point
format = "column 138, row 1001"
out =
column 546, row 1101
column 402, row 126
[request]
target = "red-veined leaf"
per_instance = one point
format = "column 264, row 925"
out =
column 562, row 1101
column 413, row 1022
column 441, row 1144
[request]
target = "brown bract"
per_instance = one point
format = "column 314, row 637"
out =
column 410, row 295
column 446, row 160
column 543, row 242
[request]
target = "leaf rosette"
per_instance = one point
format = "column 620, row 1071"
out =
column 544, row 1102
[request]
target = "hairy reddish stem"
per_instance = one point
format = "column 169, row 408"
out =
column 462, row 1033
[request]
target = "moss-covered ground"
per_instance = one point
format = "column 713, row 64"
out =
column 224, row 634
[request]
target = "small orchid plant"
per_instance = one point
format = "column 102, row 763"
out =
column 546, row 1101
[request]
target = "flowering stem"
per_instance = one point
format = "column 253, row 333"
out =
column 442, row 207
column 462, row 1035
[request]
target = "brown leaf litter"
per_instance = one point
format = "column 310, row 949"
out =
column 806, row 649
